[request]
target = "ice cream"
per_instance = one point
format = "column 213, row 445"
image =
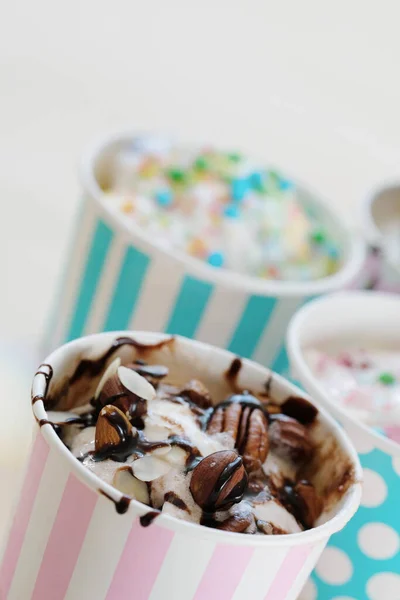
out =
column 365, row 381
column 221, row 208
column 240, row 462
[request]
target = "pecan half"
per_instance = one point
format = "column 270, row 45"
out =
column 290, row 438
column 218, row 481
column 197, row 393
column 243, row 418
column 302, row 501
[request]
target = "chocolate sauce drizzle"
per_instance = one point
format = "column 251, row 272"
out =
column 48, row 376
column 245, row 399
column 149, row 518
column 152, row 371
column 130, row 442
column 235, row 495
column 174, row 499
column 92, row 368
column 121, row 505
column 55, row 426
column 300, row 409
column 233, row 372
column 193, row 452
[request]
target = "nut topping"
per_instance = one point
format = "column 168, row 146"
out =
column 243, row 418
column 112, row 429
column 197, row 393
column 311, row 502
column 218, row 481
column 289, row 438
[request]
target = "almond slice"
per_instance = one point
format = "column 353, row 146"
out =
column 127, row 483
column 136, row 384
column 149, row 468
column 112, row 428
column 109, row 372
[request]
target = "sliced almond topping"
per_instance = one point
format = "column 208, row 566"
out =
column 136, row 384
column 149, row 468
column 112, row 427
column 127, row 483
column 109, row 372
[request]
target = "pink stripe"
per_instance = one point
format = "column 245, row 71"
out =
column 140, row 563
column 29, row 490
column 65, row 541
column 224, row 572
column 288, row 572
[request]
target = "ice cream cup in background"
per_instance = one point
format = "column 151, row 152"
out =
column 363, row 561
column 380, row 220
column 75, row 537
column 119, row 277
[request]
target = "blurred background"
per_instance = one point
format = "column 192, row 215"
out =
column 311, row 86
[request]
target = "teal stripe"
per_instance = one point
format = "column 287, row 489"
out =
column 281, row 362
column 101, row 241
column 127, row 291
column 66, row 271
column 189, row 307
column 255, row 317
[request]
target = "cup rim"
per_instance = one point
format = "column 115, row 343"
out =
column 334, row 524
column 371, row 231
column 308, row 379
column 353, row 262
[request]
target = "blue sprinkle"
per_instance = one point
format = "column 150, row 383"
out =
column 164, row 197
column 257, row 180
column 231, row 211
column 332, row 252
column 239, row 189
column 216, row 259
column 285, row 184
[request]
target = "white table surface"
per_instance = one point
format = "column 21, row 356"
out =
column 312, row 86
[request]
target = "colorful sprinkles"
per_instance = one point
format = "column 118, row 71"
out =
column 222, row 209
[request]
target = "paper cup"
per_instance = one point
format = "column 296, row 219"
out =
column 118, row 277
column 68, row 541
column 363, row 561
column 380, row 211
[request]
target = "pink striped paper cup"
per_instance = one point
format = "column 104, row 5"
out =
column 68, row 541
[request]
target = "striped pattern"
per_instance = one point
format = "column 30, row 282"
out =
column 112, row 284
column 68, row 543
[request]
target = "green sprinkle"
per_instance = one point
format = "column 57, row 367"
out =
column 387, row 378
column 176, row 175
column 318, row 236
column 234, row 157
column 201, row 164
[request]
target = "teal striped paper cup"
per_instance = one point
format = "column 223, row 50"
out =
column 119, row 277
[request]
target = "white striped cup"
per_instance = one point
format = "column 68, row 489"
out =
column 67, row 540
column 119, row 278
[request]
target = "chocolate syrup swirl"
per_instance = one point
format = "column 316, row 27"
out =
column 92, row 368
column 236, row 493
